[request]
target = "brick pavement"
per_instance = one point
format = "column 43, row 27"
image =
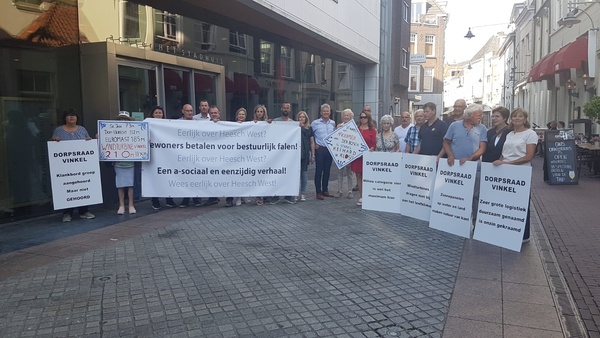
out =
column 570, row 215
column 323, row 269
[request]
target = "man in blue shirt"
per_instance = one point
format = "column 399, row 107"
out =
column 466, row 139
column 321, row 128
column 431, row 134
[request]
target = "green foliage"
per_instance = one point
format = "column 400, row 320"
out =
column 592, row 109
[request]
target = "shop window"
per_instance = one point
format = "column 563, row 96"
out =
column 133, row 20
column 414, row 74
column 204, row 36
column 237, row 42
column 166, row 26
column 429, row 45
column 428, row 79
column 266, row 57
column 37, row 83
column 287, row 61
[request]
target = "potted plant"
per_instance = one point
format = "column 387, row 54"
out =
column 592, row 109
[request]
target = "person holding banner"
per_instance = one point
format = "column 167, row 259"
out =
column 347, row 116
column 240, row 117
column 307, row 148
column 496, row 136
column 369, row 133
column 159, row 113
column 260, row 115
column 187, row 113
column 321, row 128
column 388, row 139
column 124, row 175
column 519, row 149
column 69, row 131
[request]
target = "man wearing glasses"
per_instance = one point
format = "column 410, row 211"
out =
column 458, row 112
column 402, row 129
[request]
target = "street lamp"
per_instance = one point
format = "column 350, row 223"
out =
column 470, row 34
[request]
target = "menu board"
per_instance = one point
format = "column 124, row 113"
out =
column 560, row 157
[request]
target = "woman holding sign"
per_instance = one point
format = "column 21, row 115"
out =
column 240, row 117
column 519, row 149
column 67, row 132
column 369, row 133
column 347, row 116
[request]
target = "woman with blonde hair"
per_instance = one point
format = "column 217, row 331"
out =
column 387, row 140
column 240, row 117
column 260, row 113
column 519, row 149
column 307, row 146
column 369, row 133
column 347, row 116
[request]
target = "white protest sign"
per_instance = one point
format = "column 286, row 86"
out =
column 208, row 159
column 381, row 181
column 123, row 141
column 451, row 205
column 346, row 144
column 418, row 177
column 503, row 202
column 75, row 173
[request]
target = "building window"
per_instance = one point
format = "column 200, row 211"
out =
column 132, row 21
column 204, row 36
column 28, row 5
column 237, row 42
column 166, row 25
column 406, row 11
column 287, row 61
column 428, row 79
column 309, row 69
column 429, row 45
column 343, row 76
column 266, row 57
column 31, row 82
column 416, row 12
column 415, row 78
column 413, row 43
column 430, row 20
column 404, row 58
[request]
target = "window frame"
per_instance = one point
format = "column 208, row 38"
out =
column 270, row 57
column 427, row 77
column 417, row 75
column 239, row 44
column 432, row 44
column 287, row 60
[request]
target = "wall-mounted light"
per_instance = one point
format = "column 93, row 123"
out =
column 591, row 89
column 572, row 88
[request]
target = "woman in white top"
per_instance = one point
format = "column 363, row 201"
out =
column 519, row 148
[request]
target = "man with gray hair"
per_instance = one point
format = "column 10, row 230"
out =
column 321, row 128
column 402, row 129
column 466, row 140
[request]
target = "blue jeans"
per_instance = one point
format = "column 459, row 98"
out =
column 303, row 182
column 323, row 167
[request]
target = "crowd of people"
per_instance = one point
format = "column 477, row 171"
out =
column 460, row 137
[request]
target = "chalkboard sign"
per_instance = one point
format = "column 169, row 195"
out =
column 561, row 161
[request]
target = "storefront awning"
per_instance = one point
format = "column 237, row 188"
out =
column 542, row 69
column 245, row 84
column 572, row 55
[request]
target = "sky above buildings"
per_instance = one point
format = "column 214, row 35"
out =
column 472, row 13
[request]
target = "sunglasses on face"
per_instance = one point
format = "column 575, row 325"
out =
column 363, row 117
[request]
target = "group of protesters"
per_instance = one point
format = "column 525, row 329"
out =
column 460, row 137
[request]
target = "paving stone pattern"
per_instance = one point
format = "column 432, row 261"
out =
column 313, row 269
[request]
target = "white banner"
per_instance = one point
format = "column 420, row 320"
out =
column 75, row 173
column 381, row 181
column 123, row 141
column 452, row 201
column 503, row 202
column 346, row 144
column 418, row 177
column 208, row 159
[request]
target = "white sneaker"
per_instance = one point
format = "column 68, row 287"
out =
column 359, row 201
column 132, row 210
column 121, row 211
column 302, row 198
column 66, row 218
column 87, row 215
column 238, row 201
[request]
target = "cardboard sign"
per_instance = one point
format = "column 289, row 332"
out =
column 75, row 173
column 381, row 181
column 346, row 144
column 451, row 206
column 418, row 178
column 123, row 141
column 503, row 202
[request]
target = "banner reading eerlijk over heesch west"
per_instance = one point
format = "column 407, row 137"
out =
column 346, row 144
column 208, row 159
column 75, row 173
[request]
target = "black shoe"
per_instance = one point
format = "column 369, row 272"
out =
column 197, row 202
column 355, row 188
column 183, row 205
column 211, row 202
column 156, row 205
column 171, row 205
column 229, row 204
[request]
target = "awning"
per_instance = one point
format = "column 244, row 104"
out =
column 572, row 55
column 542, row 69
column 245, row 84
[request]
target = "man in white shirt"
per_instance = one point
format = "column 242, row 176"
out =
column 203, row 116
column 402, row 129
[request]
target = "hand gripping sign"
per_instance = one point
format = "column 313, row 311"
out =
column 346, row 144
